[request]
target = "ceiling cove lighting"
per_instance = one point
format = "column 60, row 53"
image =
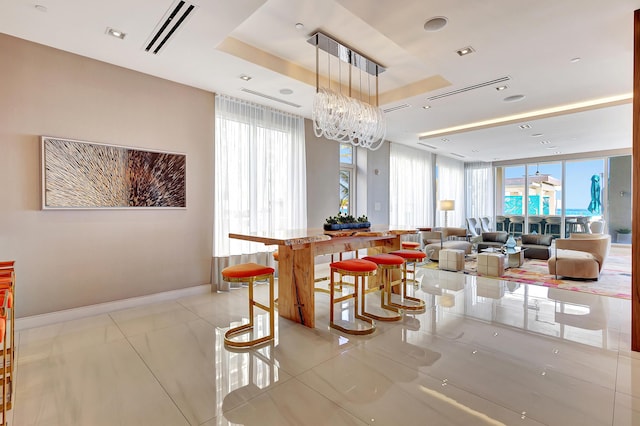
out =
column 541, row 113
column 340, row 116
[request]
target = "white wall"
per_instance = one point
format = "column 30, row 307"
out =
column 323, row 177
column 67, row 259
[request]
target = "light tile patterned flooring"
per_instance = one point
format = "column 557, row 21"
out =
column 500, row 354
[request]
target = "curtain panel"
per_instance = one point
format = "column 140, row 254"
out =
column 479, row 189
column 260, row 176
column 450, row 177
column 410, row 186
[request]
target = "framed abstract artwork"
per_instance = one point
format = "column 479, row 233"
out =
column 86, row 175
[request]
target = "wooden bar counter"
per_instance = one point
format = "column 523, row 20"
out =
column 296, row 261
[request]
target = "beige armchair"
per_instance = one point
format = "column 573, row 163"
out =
column 444, row 238
column 580, row 256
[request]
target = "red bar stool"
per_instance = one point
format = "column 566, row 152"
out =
column 250, row 273
column 6, row 306
column 410, row 245
column 359, row 269
column 410, row 257
column 7, row 282
column 386, row 264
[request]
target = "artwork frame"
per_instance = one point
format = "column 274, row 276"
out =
column 78, row 175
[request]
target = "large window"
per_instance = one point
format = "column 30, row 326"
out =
column 347, row 178
column 260, row 174
column 565, row 197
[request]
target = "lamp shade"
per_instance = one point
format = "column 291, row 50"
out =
column 446, row 205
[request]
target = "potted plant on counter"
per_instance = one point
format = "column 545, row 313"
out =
column 345, row 221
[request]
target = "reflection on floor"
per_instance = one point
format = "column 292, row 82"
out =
column 485, row 352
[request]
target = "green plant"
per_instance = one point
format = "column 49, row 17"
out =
column 331, row 220
column 363, row 219
column 346, row 218
column 623, row 230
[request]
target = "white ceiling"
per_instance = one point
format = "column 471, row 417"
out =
column 531, row 42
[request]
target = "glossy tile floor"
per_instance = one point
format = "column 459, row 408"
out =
column 484, row 352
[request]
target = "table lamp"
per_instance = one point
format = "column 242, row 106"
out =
column 446, row 206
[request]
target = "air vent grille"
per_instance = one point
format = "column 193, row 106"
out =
column 272, row 98
column 468, row 88
column 457, row 155
column 168, row 25
column 396, row 108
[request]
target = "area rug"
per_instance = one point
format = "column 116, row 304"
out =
column 614, row 281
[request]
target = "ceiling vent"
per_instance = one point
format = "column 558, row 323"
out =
column 396, row 108
column 469, row 88
column 457, row 155
column 427, row 145
column 168, row 25
column 272, row 98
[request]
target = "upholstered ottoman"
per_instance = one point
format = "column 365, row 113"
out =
column 491, row 264
column 451, row 260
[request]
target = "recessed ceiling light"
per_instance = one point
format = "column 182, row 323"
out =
column 574, row 60
column 545, row 142
column 536, row 135
column 41, row 8
column 475, row 150
column 435, row 24
column 465, row 51
column 426, row 107
column 116, row 33
column 551, row 147
column 514, row 98
column 445, row 140
column 501, row 88
column 286, row 91
column 245, row 77
column 299, row 26
column 525, row 126
column 558, row 152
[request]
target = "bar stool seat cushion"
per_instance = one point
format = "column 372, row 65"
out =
column 385, row 259
column 410, row 254
column 246, row 270
column 410, row 245
column 276, row 256
column 355, row 265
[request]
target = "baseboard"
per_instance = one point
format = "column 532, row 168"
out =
column 101, row 308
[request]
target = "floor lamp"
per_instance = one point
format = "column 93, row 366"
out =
column 446, row 206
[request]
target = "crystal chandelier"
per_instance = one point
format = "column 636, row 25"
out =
column 342, row 117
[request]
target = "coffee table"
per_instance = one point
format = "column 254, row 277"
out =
column 515, row 256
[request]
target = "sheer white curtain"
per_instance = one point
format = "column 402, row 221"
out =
column 260, row 177
column 410, row 186
column 451, row 187
column 479, row 189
